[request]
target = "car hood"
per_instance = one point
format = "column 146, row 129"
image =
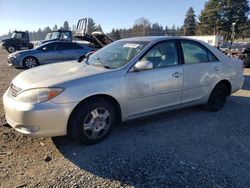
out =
column 6, row 40
column 54, row 74
column 23, row 52
column 50, row 40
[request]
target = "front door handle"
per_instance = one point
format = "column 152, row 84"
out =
column 216, row 68
column 176, row 74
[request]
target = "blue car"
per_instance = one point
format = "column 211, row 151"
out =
column 50, row 52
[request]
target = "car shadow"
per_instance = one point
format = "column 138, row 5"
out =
column 184, row 147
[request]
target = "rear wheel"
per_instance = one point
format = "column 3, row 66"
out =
column 11, row 49
column 217, row 98
column 30, row 62
column 92, row 121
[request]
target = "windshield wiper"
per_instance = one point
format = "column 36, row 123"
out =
column 103, row 64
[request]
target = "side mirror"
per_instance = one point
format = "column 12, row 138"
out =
column 143, row 65
column 80, row 59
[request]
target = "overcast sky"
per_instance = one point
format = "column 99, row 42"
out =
column 33, row 14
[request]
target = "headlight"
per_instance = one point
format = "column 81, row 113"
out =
column 38, row 95
column 14, row 56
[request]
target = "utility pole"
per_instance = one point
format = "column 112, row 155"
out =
column 233, row 34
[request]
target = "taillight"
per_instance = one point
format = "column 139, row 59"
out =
column 242, row 65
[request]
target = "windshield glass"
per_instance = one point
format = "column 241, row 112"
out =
column 55, row 35
column 117, row 54
column 17, row 35
column 13, row 35
column 48, row 36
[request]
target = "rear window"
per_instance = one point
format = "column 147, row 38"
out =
column 194, row 52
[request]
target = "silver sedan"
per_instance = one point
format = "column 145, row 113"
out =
column 127, row 79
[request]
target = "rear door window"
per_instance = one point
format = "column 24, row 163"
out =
column 68, row 46
column 63, row 46
column 74, row 46
column 212, row 57
column 194, row 52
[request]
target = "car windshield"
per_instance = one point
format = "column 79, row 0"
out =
column 117, row 54
column 13, row 35
column 16, row 35
column 55, row 35
column 48, row 36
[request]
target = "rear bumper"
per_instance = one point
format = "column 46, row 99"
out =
column 37, row 120
column 237, row 84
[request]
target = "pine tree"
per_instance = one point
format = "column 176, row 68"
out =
column 211, row 19
column 167, row 32
column 99, row 28
column 218, row 16
column 141, row 27
column 66, row 25
column 91, row 25
column 115, row 34
column 189, row 23
column 236, row 12
column 55, row 28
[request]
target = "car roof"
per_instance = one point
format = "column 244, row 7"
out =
column 154, row 39
column 157, row 38
column 66, row 42
column 58, row 41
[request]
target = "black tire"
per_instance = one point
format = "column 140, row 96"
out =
column 30, row 62
column 83, row 114
column 217, row 98
column 11, row 49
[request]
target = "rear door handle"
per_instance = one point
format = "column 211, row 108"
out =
column 176, row 74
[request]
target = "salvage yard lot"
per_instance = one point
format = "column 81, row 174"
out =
column 188, row 147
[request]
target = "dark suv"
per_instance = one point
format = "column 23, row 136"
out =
column 59, row 35
column 18, row 41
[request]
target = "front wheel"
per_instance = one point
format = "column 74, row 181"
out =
column 92, row 121
column 30, row 62
column 217, row 98
column 11, row 49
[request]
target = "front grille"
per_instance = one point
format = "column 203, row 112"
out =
column 13, row 91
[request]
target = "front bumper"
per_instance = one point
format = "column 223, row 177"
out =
column 37, row 120
column 2, row 45
column 15, row 62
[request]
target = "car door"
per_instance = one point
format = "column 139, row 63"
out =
column 158, row 88
column 67, row 51
column 63, row 51
column 76, row 51
column 47, row 53
column 19, row 41
column 200, row 70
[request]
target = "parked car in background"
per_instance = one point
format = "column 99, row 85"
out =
column 127, row 79
column 246, row 57
column 57, row 35
column 50, row 52
column 18, row 41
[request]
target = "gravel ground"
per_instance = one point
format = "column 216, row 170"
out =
column 182, row 148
